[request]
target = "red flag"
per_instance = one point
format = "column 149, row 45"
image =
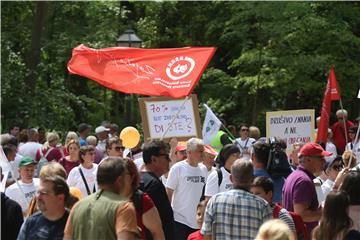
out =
column 171, row 72
column 331, row 93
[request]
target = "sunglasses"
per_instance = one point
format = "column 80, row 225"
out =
column 118, row 149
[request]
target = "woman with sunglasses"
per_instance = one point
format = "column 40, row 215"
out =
column 83, row 176
column 147, row 215
column 244, row 142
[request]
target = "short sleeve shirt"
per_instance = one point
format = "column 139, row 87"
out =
column 299, row 188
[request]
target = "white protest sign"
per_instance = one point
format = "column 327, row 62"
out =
column 158, row 115
column 292, row 126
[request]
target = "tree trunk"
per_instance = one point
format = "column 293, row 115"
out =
column 34, row 54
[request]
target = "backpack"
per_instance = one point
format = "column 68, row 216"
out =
column 43, row 161
column 301, row 229
column 220, row 178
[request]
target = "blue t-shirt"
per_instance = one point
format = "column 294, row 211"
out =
column 278, row 183
column 82, row 142
column 38, row 227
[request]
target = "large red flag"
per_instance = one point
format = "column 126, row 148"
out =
column 171, row 72
column 332, row 93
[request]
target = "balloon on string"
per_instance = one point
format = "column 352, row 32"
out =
column 130, row 137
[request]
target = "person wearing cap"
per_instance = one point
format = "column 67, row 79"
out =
column 209, row 159
column 354, row 146
column 299, row 194
column 27, row 183
column 50, row 221
column 102, row 134
column 84, row 130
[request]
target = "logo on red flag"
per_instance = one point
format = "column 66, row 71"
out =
column 155, row 72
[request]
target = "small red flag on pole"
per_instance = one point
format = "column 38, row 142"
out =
column 332, row 93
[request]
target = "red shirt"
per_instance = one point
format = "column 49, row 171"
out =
column 68, row 165
column 54, row 154
column 147, row 204
column 195, row 236
column 339, row 134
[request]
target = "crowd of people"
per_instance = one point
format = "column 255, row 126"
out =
column 91, row 187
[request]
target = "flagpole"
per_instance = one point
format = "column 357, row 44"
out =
column 228, row 131
column 355, row 141
column 176, row 115
column 344, row 122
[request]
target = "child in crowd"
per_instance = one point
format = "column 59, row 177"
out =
column 200, row 211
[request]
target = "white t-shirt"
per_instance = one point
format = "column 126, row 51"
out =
column 75, row 179
column 355, row 149
column 327, row 186
column 187, row 182
column 29, row 149
column 245, row 147
column 202, row 165
column 29, row 189
column 212, row 184
column 139, row 163
column 330, row 147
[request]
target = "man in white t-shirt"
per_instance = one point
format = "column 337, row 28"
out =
column 32, row 145
column 244, row 142
column 184, row 188
column 27, row 183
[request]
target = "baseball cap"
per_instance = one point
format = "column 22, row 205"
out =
column 313, row 149
column 83, row 126
column 210, row 150
column 26, row 161
column 101, row 129
column 181, row 146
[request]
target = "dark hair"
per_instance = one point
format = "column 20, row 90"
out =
column 109, row 170
column 264, row 182
column 9, row 148
column 152, row 148
column 351, row 185
column 242, row 125
column 110, row 141
column 334, row 220
column 226, row 152
column 83, row 150
column 60, row 186
column 134, row 173
column 261, row 151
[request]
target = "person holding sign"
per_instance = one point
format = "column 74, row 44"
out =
column 244, row 142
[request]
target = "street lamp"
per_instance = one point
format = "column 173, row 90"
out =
column 128, row 39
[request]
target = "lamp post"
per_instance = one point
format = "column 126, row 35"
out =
column 128, row 39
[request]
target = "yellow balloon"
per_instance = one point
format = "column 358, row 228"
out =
column 130, row 137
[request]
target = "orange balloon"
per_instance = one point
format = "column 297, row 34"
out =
column 130, row 137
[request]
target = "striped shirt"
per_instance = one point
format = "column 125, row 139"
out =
column 235, row 214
